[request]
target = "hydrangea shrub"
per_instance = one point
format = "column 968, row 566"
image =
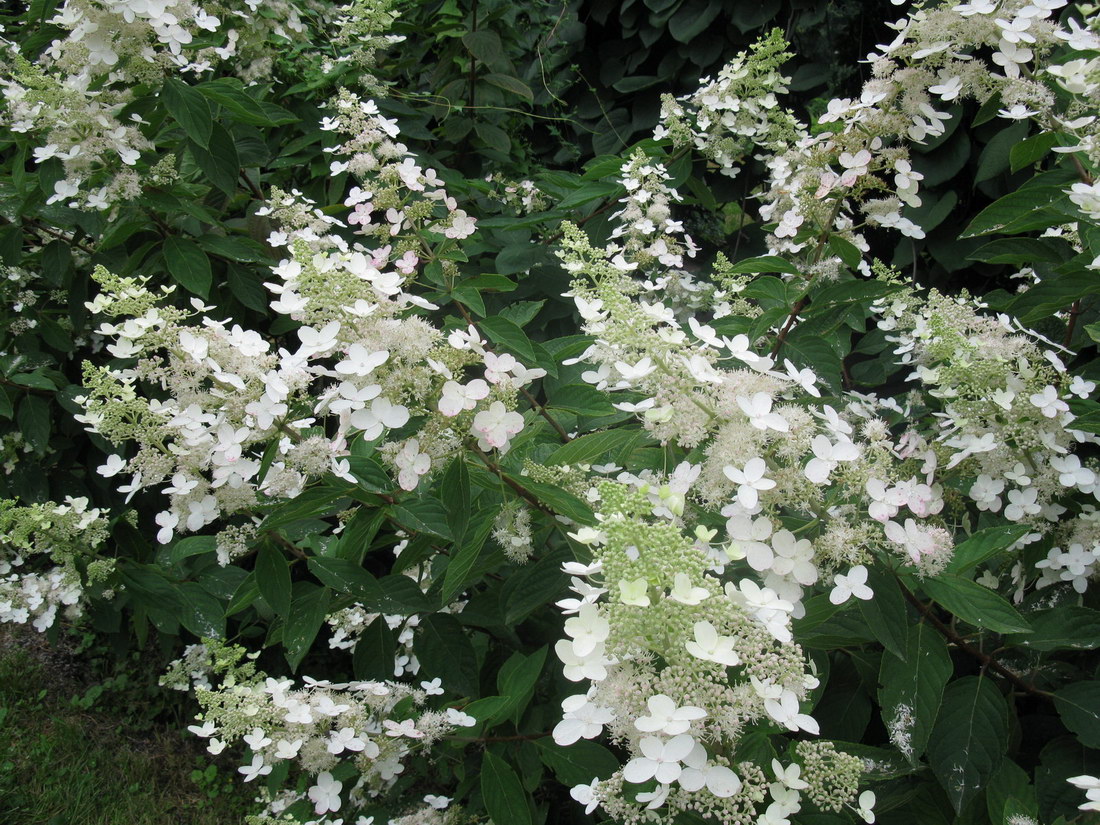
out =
column 465, row 498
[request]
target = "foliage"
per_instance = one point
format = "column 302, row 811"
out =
column 482, row 444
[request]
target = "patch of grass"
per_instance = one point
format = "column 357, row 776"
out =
column 61, row 764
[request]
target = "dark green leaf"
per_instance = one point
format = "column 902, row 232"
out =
column 201, row 613
column 504, row 797
column 579, row 763
column 582, row 399
column 303, row 622
column 190, row 110
column 347, row 576
column 886, row 613
column 374, row 652
column 273, row 578
column 445, row 652
column 911, row 689
column 485, row 46
column 970, row 738
column 33, row 419
column 1067, row 627
column 220, row 163
column 588, row 448
column 975, row 604
column 983, row 545
column 510, row 84
column 466, row 554
column 188, row 265
column 1079, row 706
column 507, row 334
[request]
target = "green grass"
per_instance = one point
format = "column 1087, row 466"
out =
column 61, row 764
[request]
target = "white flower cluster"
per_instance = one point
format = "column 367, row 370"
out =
column 73, row 97
column 365, row 729
column 244, row 421
column 736, row 113
column 1000, row 398
column 681, row 665
column 68, row 534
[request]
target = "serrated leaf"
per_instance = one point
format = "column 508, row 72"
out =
column 445, row 652
column 764, row 264
column 506, row 333
column 911, row 688
column 307, row 613
column 466, row 554
column 33, row 420
column 347, row 576
column 886, row 613
column 188, row 265
column 374, row 652
column 502, row 793
column 1067, row 627
column 510, row 84
column 582, row 399
column 578, row 763
column 1079, row 707
column 220, row 162
column 970, row 738
column 273, row 578
column 516, row 682
column 975, row 604
column 588, row 448
column 983, row 545
column 485, row 46
column 189, row 109
column 1018, row 211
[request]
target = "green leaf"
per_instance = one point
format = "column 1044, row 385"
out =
column 201, row 613
column 970, row 738
column 510, row 84
column 427, row 515
column 582, row 399
column 764, row 264
column 502, row 793
column 494, row 137
column 1018, row 211
column 454, row 491
column 176, row 552
column 533, row 586
column 588, row 448
column 520, row 257
column 33, row 420
column 1058, row 761
column 886, row 614
column 347, row 576
column 558, row 500
column 1034, row 149
column 374, row 652
column 994, row 158
column 220, row 163
column 445, row 651
column 229, row 94
column 1021, row 251
column 307, row 614
column 516, row 682
column 692, row 19
column 466, row 554
column 505, row 333
column 578, row 763
column 273, row 578
column 975, row 604
column 1067, row 627
column 1079, row 706
column 486, row 47
column 188, row 265
column 189, row 109
column 983, row 545
column 912, row 687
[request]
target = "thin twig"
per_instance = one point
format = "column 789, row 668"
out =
column 986, row 660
